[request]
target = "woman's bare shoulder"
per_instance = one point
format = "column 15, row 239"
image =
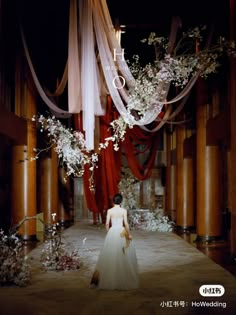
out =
column 111, row 210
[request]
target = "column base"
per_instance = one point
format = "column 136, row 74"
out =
column 184, row 229
column 209, row 240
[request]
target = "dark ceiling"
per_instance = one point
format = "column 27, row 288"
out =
column 45, row 23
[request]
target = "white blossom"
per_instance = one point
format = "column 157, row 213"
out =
column 69, row 145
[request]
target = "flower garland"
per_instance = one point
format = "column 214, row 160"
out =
column 118, row 127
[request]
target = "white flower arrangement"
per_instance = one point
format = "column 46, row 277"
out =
column 144, row 219
column 127, row 187
column 150, row 221
column 58, row 255
column 119, row 130
column 69, row 145
column 14, row 267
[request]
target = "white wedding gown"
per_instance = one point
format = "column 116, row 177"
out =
column 117, row 266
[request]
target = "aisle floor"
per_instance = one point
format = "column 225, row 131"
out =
column 171, row 273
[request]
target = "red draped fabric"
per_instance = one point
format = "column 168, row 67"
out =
column 107, row 175
column 149, row 140
column 109, row 165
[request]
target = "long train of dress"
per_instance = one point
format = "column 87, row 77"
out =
column 117, row 266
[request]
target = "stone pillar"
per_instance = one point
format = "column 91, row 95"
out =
column 184, row 184
column 48, row 187
column 81, row 212
column 209, row 212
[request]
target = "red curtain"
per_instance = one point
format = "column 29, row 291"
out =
column 149, row 140
column 109, row 165
column 107, row 175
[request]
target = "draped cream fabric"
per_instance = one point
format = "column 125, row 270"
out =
column 91, row 80
column 74, row 71
column 42, row 93
column 96, row 67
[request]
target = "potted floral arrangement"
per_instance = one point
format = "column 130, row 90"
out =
column 58, row 255
column 14, row 267
column 151, row 221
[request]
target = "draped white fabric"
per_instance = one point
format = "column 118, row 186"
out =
column 95, row 56
column 74, row 78
column 91, row 82
column 42, row 93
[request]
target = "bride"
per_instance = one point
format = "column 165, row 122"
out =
column 117, row 266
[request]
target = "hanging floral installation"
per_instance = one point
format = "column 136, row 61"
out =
column 178, row 61
column 146, row 97
column 181, row 68
column 69, row 145
column 140, row 91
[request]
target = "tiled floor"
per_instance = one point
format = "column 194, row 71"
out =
column 171, row 273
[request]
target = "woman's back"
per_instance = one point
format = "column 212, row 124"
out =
column 117, row 216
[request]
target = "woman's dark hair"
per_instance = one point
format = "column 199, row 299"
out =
column 117, row 199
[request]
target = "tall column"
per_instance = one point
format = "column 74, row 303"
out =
column 168, row 174
column 184, row 184
column 173, row 191
column 209, row 215
column 173, row 176
column 48, row 187
column 232, row 162
column 23, row 186
column 23, row 192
